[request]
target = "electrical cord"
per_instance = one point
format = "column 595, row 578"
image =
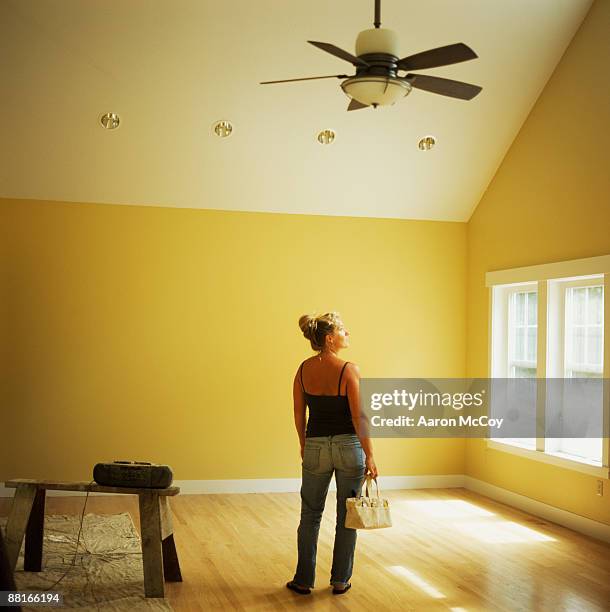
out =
column 105, row 556
column 80, row 528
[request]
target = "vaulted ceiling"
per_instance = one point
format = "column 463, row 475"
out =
column 172, row 69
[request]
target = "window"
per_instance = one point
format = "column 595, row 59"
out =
column 577, row 326
column 522, row 332
column 515, row 329
column 584, row 329
column 547, row 322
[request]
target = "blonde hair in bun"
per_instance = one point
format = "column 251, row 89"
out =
column 316, row 328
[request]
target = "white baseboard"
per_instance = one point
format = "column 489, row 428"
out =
column 589, row 527
column 292, row 485
column 282, row 485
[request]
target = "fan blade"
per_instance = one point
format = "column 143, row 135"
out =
column 332, row 76
column 442, row 56
column 333, row 50
column 355, row 105
column 445, row 87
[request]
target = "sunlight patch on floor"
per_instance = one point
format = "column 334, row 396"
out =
column 501, row 532
column 417, row 581
column 450, row 508
column 472, row 520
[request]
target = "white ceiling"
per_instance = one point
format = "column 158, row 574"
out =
column 171, row 69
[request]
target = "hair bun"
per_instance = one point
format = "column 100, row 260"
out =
column 308, row 325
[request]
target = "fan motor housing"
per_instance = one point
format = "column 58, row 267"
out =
column 379, row 64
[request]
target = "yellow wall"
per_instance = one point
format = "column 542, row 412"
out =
column 4, row 326
column 170, row 335
column 549, row 201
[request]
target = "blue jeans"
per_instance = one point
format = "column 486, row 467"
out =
column 342, row 453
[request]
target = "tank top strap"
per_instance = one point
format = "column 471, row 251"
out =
column 340, row 377
column 301, row 376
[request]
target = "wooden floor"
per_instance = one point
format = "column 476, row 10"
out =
column 449, row 549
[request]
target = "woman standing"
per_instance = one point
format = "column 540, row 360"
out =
column 335, row 440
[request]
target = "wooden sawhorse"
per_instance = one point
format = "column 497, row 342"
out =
column 159, row 556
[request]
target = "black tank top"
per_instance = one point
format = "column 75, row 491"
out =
column 329, row 415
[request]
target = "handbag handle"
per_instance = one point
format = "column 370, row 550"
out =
column 370, row 480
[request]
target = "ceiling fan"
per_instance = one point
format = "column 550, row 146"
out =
column 377, row 83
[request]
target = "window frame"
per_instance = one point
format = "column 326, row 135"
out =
column 551, row 277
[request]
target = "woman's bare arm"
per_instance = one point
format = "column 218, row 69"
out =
column 358, row 417
column 299, row 410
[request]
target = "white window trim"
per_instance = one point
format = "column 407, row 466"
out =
column 541, row 274
column 578, row 465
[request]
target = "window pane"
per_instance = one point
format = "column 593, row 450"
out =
column 581, row 374
column 595, row 306
column 578, row 304
column 520, row 308
column 578, row 345
column 520, row 343
column 594, row 345
column 532, row 308
column 519, row 372
column 531, row 344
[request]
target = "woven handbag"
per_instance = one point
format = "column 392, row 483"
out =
column 368, row 511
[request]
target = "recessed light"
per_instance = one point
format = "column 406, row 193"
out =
column 223, row 128
column 326, row 137
column 426, row 143
column 110, row 121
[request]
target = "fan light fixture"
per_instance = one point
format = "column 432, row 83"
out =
column 382, row 89
column 376, row 90
column 377, row 63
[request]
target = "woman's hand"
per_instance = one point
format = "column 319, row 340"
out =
column 371, row 468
